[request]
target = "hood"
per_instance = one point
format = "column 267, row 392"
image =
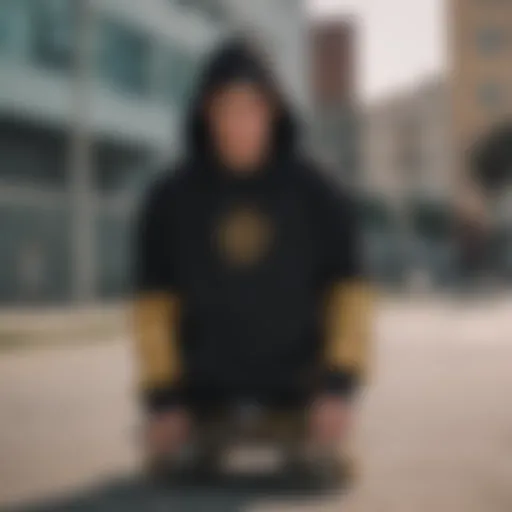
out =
column 237, row 61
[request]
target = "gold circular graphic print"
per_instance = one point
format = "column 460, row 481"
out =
column 244, row 236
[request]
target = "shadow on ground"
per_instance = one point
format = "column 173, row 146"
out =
column 136, row 494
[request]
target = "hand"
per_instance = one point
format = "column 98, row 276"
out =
column 330, row 421
column 167, row 432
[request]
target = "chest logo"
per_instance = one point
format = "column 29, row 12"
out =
column 244, row 236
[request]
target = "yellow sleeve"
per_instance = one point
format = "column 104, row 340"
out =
column 349, row 327
column 156, row 318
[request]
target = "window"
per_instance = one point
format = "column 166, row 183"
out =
column 32, row 156
column 113, row 238
column 8, row 18
column 125, row 59
column 213, row 9
column 490, row 96
column 410, row 159
column 409, row 155
column 117, row 167
column 490, row 40
column 180, row 70
column 52, row 27
column 35, row 263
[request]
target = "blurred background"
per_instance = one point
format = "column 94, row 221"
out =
column 92, row 94
column 408, row 103
column 93, row 91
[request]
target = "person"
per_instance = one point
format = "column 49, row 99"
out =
column 248, row 283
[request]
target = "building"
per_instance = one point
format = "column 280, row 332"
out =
column 91, row 97
column 334, row 95
column 480, row 78
column 479, row 73
column 406, row 141
column 408, row 179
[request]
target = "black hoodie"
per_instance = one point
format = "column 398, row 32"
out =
column 249, row 259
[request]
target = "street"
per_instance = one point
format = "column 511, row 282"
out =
column 435, row 429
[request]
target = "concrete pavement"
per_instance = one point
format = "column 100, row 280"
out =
column 435, row 427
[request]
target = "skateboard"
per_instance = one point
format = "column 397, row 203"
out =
column 256, row 447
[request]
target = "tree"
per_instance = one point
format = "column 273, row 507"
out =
column 491, row 158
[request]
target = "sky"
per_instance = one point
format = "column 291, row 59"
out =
column 401, row 42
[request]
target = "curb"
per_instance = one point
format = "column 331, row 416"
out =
column 21, row 329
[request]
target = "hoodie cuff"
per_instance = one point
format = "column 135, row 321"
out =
column 162, row 399
column 340, row 382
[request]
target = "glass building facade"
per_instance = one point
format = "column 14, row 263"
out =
column 137, row 75
column 138, row 72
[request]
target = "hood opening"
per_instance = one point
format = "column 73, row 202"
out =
column 237, row 61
